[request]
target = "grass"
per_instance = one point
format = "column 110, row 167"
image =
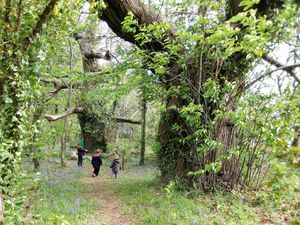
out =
column 146, row 199
column 153, row 204
column 59, row 199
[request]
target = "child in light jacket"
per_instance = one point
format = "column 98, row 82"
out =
column 115, row 166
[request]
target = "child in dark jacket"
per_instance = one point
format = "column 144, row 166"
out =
column 115, row 166
column 96, row 162
column 80, row 152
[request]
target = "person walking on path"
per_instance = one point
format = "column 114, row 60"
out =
column 96, row 162
column 80, row 152
column 115, row 166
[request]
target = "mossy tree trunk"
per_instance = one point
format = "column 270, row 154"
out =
column 92, row 125
column 143, row 130
column 93, row 131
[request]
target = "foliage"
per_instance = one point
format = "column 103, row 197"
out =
column 199, row 71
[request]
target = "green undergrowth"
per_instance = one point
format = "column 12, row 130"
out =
column 146, row 198
column 60, row 199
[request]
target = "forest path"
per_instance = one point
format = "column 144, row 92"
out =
column 108, row 206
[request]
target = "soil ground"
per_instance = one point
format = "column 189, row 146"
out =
column 108, row 208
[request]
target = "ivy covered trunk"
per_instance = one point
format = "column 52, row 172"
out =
column 178, row 153
column 200, row 150
column 16, row 76
column 93, row 131
column 184, row 150
column 11, row 119
column 92, row 124
column 174, row 156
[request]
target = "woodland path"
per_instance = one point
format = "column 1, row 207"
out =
column 108, row 206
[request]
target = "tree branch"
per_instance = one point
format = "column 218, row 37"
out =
column 93, row 55
column 287, row 68
column 76, row 110
column 48, row 81
column 115, row 13
column 270, row 72
column 58, row 86
column 125, row 120
column 68, row 112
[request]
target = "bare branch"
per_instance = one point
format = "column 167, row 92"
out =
column 125, row 120
column 68, row 112
column 94, row 55
column 58, row 86
column 48, row 80
column 287, row 68
column 76, row 110
column 270, row 72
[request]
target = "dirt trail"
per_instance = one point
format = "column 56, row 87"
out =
column 108, row 207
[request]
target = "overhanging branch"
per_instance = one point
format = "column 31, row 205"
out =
column 76, row 110
column 125, row 120
column 68, row 112
column 58, row 86
column 287, row 68
column 115, row 13
column 270, row 72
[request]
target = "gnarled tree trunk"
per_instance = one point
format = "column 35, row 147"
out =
column 91, row 124
column 178, row 156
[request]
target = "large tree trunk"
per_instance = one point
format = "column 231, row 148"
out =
column 177, row 157
column 92, row 125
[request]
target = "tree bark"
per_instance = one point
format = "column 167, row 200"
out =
column 143, row 131
column 92, row 126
